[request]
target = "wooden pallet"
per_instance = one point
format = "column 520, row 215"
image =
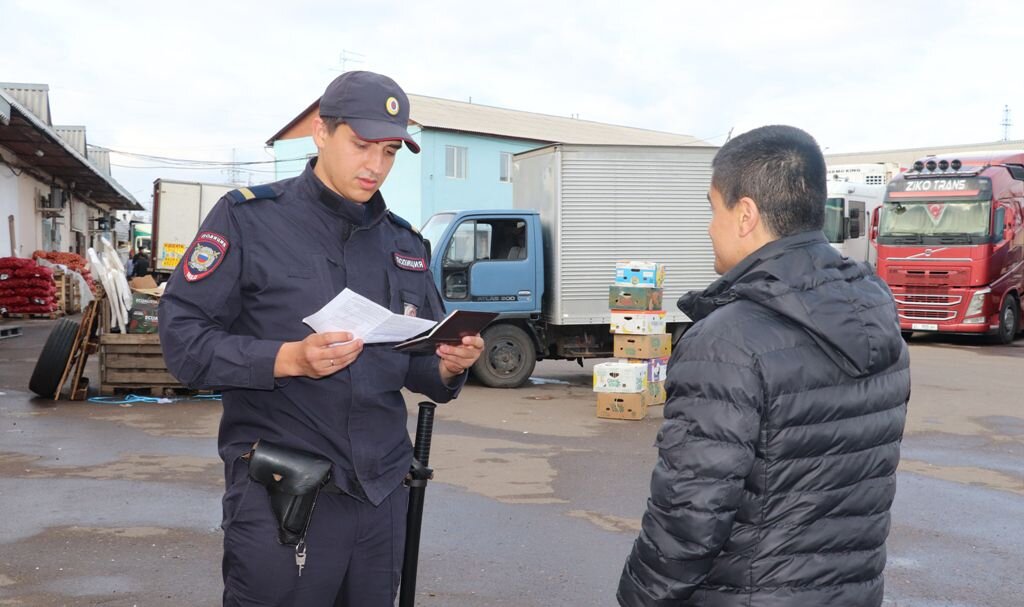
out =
column 134, row 362
column 60, row 282
column 36, row 315
column 11, row 331
column 81, row 348
column 73, row 305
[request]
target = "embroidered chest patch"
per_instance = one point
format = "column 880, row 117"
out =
column 205, row 254
column 414, row 264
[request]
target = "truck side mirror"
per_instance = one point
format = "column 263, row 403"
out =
column 999, row 225
column 426, row 243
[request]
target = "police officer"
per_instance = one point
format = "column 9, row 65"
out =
column 230, row 319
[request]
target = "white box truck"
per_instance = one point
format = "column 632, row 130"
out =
column 547, row 264
column 179, row 207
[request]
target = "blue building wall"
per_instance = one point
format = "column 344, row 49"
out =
column 401, row 189
column 481, row 189
column 291, row 155
column 417, row 186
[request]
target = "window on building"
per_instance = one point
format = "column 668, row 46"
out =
column 505, row 167
column 455, row 161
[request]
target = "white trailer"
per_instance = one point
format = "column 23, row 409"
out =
column 179, row 207
column 600, row 204
column 850, row 217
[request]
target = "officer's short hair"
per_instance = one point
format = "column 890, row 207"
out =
column 782, row 169
column 332, row 123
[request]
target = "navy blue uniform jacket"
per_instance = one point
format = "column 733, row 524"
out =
column 257, row 267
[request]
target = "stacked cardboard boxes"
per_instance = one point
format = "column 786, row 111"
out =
column 626, row 388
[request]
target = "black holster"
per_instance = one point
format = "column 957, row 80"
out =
column 293, row 480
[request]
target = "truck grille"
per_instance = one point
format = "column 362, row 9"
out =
column 948, row 277
column 927, row 299
column 921, row 314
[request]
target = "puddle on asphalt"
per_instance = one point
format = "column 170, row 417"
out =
column 163, row 422
column 608, row 522
column 129, row 532
column 966, row 475
column 1002, row 424
column 134, row 467
column 511, row 473
column 540, row 381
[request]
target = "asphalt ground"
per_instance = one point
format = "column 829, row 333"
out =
column 535, row 501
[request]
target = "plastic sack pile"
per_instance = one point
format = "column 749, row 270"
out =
column 25, row 287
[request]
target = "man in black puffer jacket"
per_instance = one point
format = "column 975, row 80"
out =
column 786, row 403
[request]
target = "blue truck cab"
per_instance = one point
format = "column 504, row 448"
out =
column 493, row 261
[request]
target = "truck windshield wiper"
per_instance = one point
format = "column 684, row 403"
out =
column 904, row 237
column 954, row 237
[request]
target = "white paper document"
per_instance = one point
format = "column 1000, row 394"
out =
column 365, row 320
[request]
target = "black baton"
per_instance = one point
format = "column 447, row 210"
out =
column 417, row 479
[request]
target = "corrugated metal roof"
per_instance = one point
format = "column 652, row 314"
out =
column 38, row 147
column 905, row 157
column 34, row 97
column 435, row 113
column 432, row 112
column 100, row 158
column 73, row 136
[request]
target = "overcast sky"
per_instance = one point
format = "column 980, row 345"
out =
column 214, row 80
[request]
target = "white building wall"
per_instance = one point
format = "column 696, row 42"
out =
column 8, row 210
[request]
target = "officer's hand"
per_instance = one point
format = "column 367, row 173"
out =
column 315, row 356
column 456, row 359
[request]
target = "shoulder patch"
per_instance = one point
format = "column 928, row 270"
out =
column 405, row 224
column 395, row 219
column 240, row 195
column 205, row 254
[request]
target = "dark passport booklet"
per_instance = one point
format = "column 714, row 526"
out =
column 451, row 330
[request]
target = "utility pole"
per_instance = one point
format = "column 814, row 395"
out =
column 348, row 56
column 234, row 174
column 1006, row 123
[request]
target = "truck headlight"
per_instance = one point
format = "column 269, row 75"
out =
column 977, row 302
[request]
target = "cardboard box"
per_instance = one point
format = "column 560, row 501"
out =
column 142, row 317
column 656, row 390
column 640, row 274
column 634, row 298
column 620, row 377
column 657, row 368
column 146, row 285
column 637, row 323
column 623, row 406
column 642, row 346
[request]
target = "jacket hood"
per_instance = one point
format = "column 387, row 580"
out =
column 840, row 303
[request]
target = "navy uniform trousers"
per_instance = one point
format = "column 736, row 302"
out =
column 353, row 550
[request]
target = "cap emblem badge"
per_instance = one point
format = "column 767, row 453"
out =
column 392, row 106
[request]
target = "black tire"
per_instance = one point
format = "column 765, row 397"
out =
column 53, row 358
column 906, row 335
column 508, row 358
column 1009, row 321
column 679, row 330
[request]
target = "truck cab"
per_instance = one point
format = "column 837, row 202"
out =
column 849, row 209
column 951, row 244
column 493, row 261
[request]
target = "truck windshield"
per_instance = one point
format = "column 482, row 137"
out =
column 834, row 219
column 435, row 227
column 935, row 222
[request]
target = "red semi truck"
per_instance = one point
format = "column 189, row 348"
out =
column 950, row 242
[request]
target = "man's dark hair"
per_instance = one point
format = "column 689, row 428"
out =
column 782, row 169
column 332, row 123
